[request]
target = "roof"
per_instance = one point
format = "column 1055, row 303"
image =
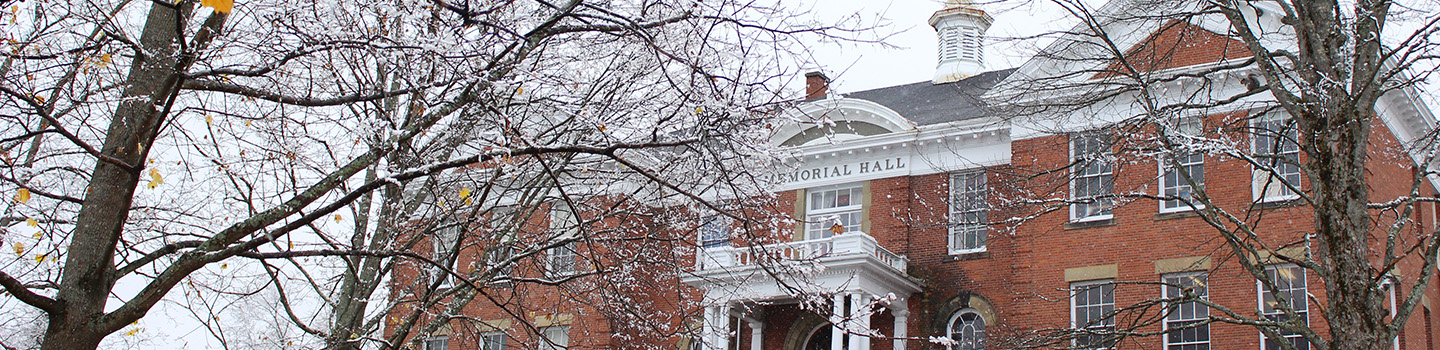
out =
column 926, row 103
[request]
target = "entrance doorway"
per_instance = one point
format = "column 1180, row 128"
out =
column 819, row 338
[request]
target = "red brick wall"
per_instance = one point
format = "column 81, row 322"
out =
column 1176, row 44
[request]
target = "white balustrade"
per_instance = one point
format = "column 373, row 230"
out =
column 849, row 243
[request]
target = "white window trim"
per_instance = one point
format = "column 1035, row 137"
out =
column 1257, row 188
column 1075, row 286
column 951, row 234
column 813, row 215
column 561, row 217
column 437, row 244
column 549, row 344
column 552, row 255
column 1072, row 207
column 1260, row 298
column 716, row 219
column 445, row 338
column 1164, row 163
column 1164, row 293
column 950, row 325
column 1388, row 285
column 485, row 339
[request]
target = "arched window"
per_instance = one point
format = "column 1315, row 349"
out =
column 819, row 338
column 967, row 329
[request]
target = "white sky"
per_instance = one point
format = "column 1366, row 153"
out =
column 858, row 67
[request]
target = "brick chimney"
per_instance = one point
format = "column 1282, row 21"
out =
column 816, row 85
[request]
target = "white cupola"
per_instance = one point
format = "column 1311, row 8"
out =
column 961, row 28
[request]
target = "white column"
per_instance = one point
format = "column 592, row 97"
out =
column 707, row 329
column 837, row 334
column 716, row 330
column 756, row 334
column 900, row 332
column 859, row 321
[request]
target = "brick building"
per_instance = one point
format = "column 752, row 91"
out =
column 923, row 210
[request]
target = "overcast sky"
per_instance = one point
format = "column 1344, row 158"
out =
column 858, row 67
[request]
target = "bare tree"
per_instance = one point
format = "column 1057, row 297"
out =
column 317, row 144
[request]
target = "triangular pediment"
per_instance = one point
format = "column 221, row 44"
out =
column 1176, row 44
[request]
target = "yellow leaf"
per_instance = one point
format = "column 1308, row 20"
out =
column 247, row 122
column 699, row 110
column 19, row 248
column 602, row 127
column 105, row 58
column 224, row 266
column 837, row 229
column 464, row 193
column 338, row 218
column 39, row 258
column 136, row 323
column 467, row 201
column 33, row 223
column 519, row 90
column 132, row 332
column 39, row 99
column 35, row 236
column 22, row 196
column 221, row 6
column 209, row 119
column 155, row 179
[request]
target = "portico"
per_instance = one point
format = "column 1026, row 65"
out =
column 857, row 277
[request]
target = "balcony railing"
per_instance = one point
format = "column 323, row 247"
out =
column 849, row 244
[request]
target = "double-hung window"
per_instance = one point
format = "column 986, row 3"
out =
column 554, row 338
column 1093, row 178
column 714, row 232
column 1185, row 327
column 437, row 343
column 1183, row 170
column 492, row 341
column 968, row 211
column 1278, row 155
column 833, row 210
column 497, row 258
column 1092, row 305
column 1289, row 281
column 504, row 223
column 443, row 245
column 560, row 261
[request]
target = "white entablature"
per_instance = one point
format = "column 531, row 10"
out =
column 845, row 140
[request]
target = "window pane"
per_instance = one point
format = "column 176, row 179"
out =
column 967, row 329
column 1093, row 302
column 968, row 211
column 1185, row 319
column 1290, row 290
column 1276, row 148
column 1092, row 177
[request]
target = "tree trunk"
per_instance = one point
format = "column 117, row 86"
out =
column 90, row 263
column 1337, row 139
